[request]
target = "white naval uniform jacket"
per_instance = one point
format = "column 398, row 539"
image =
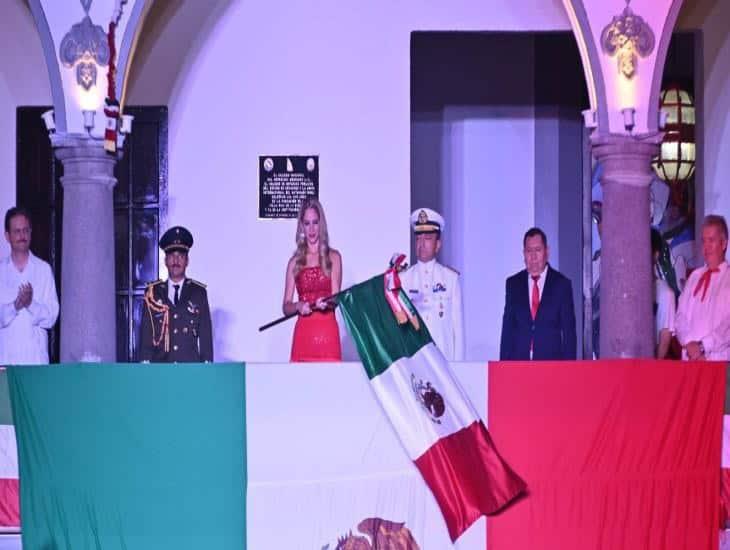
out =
column 435, row 291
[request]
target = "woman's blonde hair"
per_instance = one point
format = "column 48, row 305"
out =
column 300, row 254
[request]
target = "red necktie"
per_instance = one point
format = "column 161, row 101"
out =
column 704, row 283
column 535, row 296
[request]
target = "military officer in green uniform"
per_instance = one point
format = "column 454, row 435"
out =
column 176, row 326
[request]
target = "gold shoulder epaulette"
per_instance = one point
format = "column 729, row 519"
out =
column 451, row 269
column 198, row 283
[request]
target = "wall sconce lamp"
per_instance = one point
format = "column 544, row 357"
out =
column 590, row 118
column 126, row 125
column 629, row 115
column 49, row 121
column 88, row 119
column 663, row 115
column 125, row 128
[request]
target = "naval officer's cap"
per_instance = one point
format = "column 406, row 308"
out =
column 425, row 220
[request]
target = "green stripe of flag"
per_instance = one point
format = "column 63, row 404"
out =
column 6, row 414
column 379, row 338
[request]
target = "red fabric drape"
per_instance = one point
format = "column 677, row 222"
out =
column 9, row 503
column 616, row 454
column 724, row 497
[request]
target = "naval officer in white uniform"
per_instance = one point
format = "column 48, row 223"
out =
column 434, row 288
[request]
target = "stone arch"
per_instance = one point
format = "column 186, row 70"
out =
column 51, row 62
column 662, row 47
column 160, row 66
column 589, row 56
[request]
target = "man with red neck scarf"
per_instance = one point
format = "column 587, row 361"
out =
column 703, row 315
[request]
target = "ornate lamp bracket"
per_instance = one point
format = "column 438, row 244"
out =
column 628, row 37
column 85, row 46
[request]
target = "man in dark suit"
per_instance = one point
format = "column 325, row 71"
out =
column 176, row 325
column 539, row 320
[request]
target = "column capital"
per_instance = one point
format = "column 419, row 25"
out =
column 626, row 159
column 85, row 163
column 627, row 141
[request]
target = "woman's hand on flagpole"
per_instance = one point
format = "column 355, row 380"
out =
column 303, row 308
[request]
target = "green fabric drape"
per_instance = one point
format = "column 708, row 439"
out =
column 131, row 456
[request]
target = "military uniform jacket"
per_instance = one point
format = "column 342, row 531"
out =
column 436, row 292
column 185, row 330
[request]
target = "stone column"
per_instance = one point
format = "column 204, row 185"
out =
column 88, row 316
column 627, row 284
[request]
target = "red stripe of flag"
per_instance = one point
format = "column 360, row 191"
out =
column 468, row 477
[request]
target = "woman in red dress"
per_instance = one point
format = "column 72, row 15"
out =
column 315, row 271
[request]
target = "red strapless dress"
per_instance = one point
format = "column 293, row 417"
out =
column 316, row 336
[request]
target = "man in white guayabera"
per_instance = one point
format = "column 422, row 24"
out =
column 28, row 298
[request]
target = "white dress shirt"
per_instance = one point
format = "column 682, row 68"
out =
column 540, row 285
column 24, row 333
column 708, row 320
column 666, row 311
column 171, row 289
column 435, row 291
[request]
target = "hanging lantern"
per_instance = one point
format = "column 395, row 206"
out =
column 676, row 161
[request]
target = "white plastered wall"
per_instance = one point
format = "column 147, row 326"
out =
column 23, row 81
column 292, row 77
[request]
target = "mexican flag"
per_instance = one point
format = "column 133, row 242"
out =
column 434, row 419
column 9, row 499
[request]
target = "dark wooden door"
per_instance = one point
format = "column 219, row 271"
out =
column 38, row 188
column 140, row 204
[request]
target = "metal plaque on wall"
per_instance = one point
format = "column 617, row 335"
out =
column 284, row 182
